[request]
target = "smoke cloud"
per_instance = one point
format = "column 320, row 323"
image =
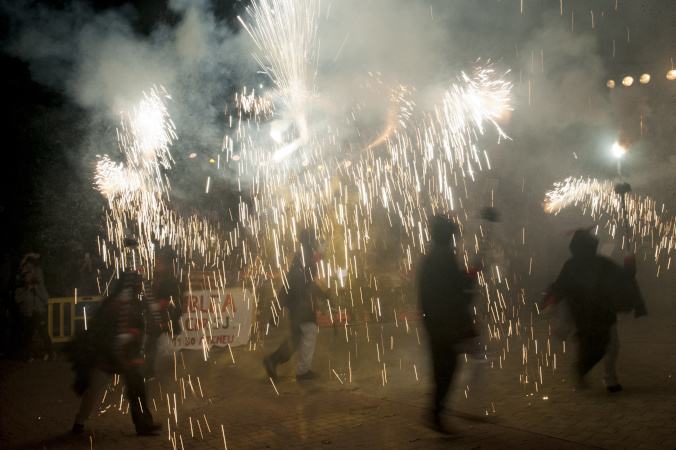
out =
column 560, row 56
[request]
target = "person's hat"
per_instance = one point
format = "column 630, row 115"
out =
column 130, row 242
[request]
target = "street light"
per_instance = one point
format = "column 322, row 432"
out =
column 671, row 75
column 618, row 152
column 627, row 81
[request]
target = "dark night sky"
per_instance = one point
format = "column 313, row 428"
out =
column 48, row 203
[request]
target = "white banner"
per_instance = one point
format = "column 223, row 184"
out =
column 215, row 318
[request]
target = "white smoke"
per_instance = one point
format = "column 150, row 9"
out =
column 102, row 62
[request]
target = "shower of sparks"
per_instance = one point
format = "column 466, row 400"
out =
column 301, row 172
column 421, row 163
column 286, row 33
column 640, row 223
column 136, row 188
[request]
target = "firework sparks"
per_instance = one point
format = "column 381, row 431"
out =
column 648, row 227
column 421, row 164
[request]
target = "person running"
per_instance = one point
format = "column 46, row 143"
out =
column 299, row 297
column 112, row 344
column 596, row 289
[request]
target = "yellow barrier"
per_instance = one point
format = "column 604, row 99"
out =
column 85, row 306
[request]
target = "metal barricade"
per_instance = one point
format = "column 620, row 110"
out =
column 66, row 317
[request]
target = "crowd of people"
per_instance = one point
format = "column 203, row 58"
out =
column 121, row 339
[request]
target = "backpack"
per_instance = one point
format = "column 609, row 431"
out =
column 621, row 288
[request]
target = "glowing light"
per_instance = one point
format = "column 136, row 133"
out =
column 235, row 158
column 192, row 155
column 671, row 75
column 144, row 137
column 618, row 150
column 610, row 84
column 645, row 78
column 627, row 81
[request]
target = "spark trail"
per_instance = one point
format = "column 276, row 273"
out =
column 650, row 229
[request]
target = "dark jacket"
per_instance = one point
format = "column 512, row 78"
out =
column 114, row 336
column 440, row 292
column 581, row 283
column 302, row 291
column 596, row 289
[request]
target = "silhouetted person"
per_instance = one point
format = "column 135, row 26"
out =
column 112, row 344
column 300, row 299
column 86, row 276
column 32, row 297
column 596, row 289
column 445, row 309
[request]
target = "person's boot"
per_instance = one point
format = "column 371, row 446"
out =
column 437, row 424
column 309, row 375
column 149, row 430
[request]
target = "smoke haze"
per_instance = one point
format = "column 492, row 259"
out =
column 559, row 54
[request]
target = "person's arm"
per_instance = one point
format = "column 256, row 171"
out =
column 20, row 295
column 557, row 290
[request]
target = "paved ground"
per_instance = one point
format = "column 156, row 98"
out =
column 373, row 394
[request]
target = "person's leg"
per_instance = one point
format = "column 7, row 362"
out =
column 443, row 364
column 591, row 348
column 28, row 329
column 42, row 329
column 151, row 353
column 306, row 347
column 136, row 395
column 284, row 352
column 97, row 382
column 610, row 359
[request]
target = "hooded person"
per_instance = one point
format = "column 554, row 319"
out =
column 445, row 309
column 596, row 289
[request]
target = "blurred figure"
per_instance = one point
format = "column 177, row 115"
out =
column 32, row 297
column 596, row 289
column 445, row 309
column 299, row 298
column 86, row 276
column 112, row 344
column 164, row 301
